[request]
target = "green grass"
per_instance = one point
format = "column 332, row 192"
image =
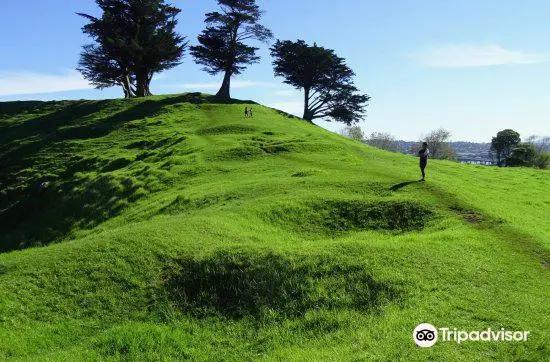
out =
column 173, row 228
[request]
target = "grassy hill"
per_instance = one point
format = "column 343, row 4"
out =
column 173, row 228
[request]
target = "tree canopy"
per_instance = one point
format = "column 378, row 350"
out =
column 439, row 145
column 222, row 45
column 329, row 89
column 524, row 154
column 134, row 39
column 503, row 144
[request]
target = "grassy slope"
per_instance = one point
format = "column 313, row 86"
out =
column 175, row 228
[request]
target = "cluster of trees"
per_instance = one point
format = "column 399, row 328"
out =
column 508, row 150
column 135, row 39
column 438, row 142
column 384, row 141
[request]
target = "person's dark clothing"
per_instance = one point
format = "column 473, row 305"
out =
column 423, row 153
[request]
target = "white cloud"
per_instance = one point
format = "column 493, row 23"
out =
column 15, row 83
column 235, row 84
column 469, row 55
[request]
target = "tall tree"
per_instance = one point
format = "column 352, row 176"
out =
column 439, row 145
column 503, row 144
column 329, row 89
column 222, row 47
column 134, row 40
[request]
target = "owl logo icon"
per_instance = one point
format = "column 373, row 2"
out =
column 425, row 335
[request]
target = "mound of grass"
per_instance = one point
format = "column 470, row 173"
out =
column 239, row 153
column 171, row 228
column 227, row 129
column 334, row 216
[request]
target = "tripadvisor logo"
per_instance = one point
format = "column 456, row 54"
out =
column 426, row 335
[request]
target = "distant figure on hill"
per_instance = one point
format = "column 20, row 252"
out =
column 423, row 154
column 250, row 112
column 246, row 112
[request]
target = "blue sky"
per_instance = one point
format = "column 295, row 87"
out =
column 473, row 67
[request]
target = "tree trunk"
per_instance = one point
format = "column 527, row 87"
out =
column 147, row 89
column 308, row 116
column 141, row 83
column 127, row 86
column 125, row 89
column 149, row 79
column 224, row 91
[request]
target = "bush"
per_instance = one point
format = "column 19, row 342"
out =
column 522, row 155
column 542, row 160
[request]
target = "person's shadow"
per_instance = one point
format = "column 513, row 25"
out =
column 402, row 184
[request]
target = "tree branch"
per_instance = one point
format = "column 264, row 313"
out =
column 316, row 102
column 320, row 110
column 311, row 94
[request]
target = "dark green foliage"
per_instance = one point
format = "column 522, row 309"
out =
column 523, row 154
column 242, row 283
column 542, row 160
column 222, row 46
column 134, row 40
column 329, row 89
column 503, row 144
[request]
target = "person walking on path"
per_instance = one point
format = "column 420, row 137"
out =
column 423, row 154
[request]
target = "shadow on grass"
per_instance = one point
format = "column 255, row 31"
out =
column 41, row 151
column 43, row 216
column 236, row 284
column 42, row 148
column 403, row 184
